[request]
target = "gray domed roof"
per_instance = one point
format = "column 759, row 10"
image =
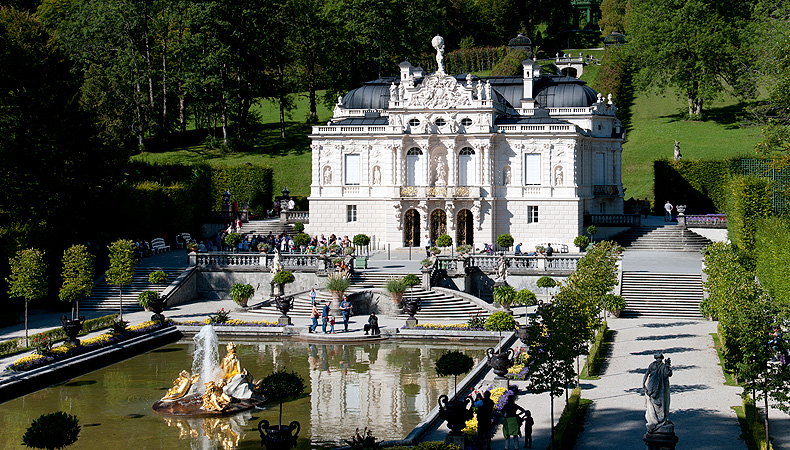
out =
column 520, row 40
column 564, row 92
column 371, row 95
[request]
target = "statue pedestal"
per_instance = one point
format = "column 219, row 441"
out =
column 284, row 321
column 411, row 323
column 660, row 441
column 459, row 441
column 501, row 382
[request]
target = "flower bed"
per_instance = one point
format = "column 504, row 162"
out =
column 499, row 397
column 17, row 345
column 230, row 323
column 437, row 326
column 67, row 351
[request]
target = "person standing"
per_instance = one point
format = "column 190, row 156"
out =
column 528, row 422
column 484, row 414
column 345, row 309
column 312, row 296
column 518, row 250
column 549, row 250
column 511, row 427
column 427, row 246
column 314, row 316
column 668, row 211
column 325, row 316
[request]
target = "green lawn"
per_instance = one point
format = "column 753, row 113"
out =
column 657, row 121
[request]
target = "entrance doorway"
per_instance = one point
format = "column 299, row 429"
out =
column 464, row 234
column 411, row 228
column 438, row 224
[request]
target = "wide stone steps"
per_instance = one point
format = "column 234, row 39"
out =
column 435, row 305
column 662, row 295
column 665, row 238
column 264, row 226
column 105, row 296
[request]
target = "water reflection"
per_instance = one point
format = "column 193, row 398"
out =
column 389, row 387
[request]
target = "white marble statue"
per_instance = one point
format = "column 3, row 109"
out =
column 656, row 386
column 376, row 175
column 488, row 90
column 441, row 173
column 327, row 175
column 479, row 89
column 393, row 93
column 558, row 176
column 438, row 44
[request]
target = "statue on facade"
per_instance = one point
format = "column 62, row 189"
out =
column 656, row 386
column 678, row 156
column 479, row 89
column 558, row 176
column 501, row 267
column 438, row 44
column 441, row 173
column 488, row 90
column 376, row 175
column 393, row 93
column 327, row 175
column 506, row 176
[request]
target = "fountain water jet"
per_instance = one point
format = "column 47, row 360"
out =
column 205, row 361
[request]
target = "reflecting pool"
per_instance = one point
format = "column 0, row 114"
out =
column 389, row 387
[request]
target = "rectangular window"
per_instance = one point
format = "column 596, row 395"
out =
column 352, row 169
column 600, row 168
column 532, row 168
column 351, row 213
column 532, row 214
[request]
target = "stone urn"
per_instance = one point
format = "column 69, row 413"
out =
column 523, row 334
column 456, row 413
column 157, row 306
column 501, row 361
column 278, row 437
column 411, row 307
column 72, row 328
column 284, row 304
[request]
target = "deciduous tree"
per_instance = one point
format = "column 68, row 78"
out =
column 28, row 279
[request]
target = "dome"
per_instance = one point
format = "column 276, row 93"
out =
column 519, row 40
column 564, row 92
column 371, row 95
column 616, row 38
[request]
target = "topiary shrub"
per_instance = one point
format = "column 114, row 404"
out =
column 337, row 283
column 301, row 239
column 454, row 363
column 232, row 240
column 52, row 431
column 525, row 297
column 411, row 280
column 427, row 262
column 546, row 282
column 504, row 240
column 444, row 241
column 582, row 242
column 361, row 240
column 284, row 277
column 280, row 386
column 146, row 297
column 298, row 227
column 504, row 295
column 500, row 321
column 158, row 277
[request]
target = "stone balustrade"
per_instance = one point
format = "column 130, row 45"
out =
column 516, row 264
column 263, row 261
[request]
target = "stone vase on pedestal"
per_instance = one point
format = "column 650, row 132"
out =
column 72, row 328
column 278, row 437
column 455, row 413
column 284, row 305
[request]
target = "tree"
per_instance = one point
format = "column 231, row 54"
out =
column 78, row 276
column 122, row 262
column 615, row 16
column 280, row 386
column 52, row 431
column 28, row 279
column 693, row 45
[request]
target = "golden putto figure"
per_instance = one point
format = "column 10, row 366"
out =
column 215, row 399
column 230, row 364
column 181, row 385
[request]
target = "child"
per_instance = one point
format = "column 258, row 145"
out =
column 332, row 324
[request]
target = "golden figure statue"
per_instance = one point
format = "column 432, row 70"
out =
column 181, row 385
column 215, row 399
column 230, row 365
column 221, row 431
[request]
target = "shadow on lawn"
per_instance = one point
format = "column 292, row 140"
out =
column 731, row 117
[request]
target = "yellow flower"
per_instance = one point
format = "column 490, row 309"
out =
column 516, row 368
column 496, row 393
column 471, row 427
column 27, row 359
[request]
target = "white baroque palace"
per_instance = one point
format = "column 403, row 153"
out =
column 421, row 155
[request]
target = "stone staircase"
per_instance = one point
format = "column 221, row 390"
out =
column 435, row 305
column 264, row 226
column 105, row 296
column 667, row 238
column 675, row 295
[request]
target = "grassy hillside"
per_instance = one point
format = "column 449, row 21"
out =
column 658, row 121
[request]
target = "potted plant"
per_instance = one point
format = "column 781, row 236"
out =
column 78, row 276
column 426, row 263
column 281, row 278
column 145, row 298
column 241, row 293
column 361, row 240
column 263, row 247
column 591, row 230
column 463, row 250
column 504, row 296
column 540, row 249
column 434, row 251
column 527, row 298
column 301, row 240
column 334, row 249
column 500, row 361
column 280, row 386
column 348, row 251
column 455, row 412
column 396, row 287
column 192, row 247
column 411, row 280
column 232, row 240
column 615, row 304
column 582, row 242
column 504, row 240
column 337, row 285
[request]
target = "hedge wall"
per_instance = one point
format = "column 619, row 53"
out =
column 773, row 257
column 749, row 202
column 700, row 185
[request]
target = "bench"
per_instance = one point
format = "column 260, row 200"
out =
column 187, row 237
column 158, row 245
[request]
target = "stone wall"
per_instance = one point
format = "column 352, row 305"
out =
column 217, row 283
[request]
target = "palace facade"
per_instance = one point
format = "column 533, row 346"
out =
column 429, row 154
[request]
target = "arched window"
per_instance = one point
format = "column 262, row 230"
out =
column 466, row 167
column 415, row 167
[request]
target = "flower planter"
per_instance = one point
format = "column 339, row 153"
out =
column 72, row 329
column 278, row 437
column 455, row 413
column 242, row 301
column 157, row 306
column 397, row 298
column 361, row 262
column 523, row 334
column 500, row 362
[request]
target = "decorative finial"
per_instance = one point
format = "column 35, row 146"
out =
column 438, row 44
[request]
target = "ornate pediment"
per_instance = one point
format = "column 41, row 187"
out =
column 438, row 91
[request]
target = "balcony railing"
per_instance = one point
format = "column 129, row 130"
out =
column 608, row 190
column 517, row 265
column 438, row 191
column 612, row 220
column 260, row 261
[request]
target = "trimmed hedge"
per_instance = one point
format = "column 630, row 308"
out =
column 510, row 65
column 773, row 257
column 700, row 185
column 570, row 423
column 749, row 202
column 17, row 345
